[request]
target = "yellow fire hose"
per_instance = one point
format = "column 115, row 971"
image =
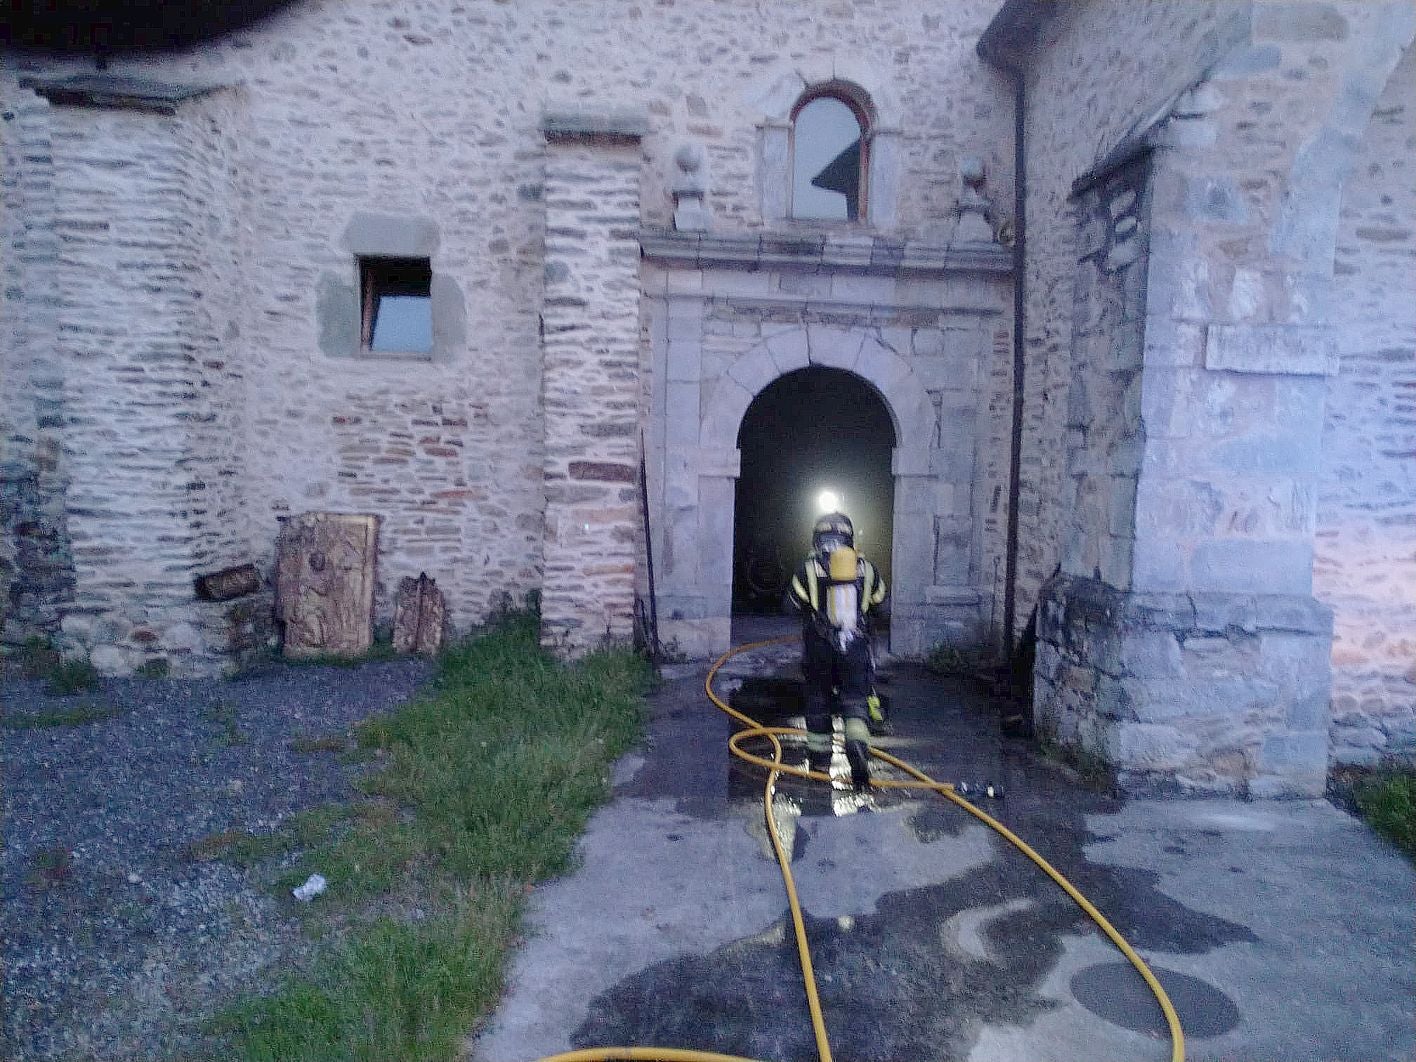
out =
column 775, row 767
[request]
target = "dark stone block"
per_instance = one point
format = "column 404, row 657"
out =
column 420, row 616
column 228, row 583
column 603, row 471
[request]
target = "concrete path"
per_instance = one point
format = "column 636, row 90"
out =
column 1280, row 930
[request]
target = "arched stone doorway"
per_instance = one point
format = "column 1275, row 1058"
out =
column 809, row 431
column 921, row 330
column 696, row 600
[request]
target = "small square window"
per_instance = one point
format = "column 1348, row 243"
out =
column 397, row 305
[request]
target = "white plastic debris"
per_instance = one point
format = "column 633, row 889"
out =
column 314, row 885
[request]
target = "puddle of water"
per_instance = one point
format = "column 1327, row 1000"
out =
column 891, row 988
column 1115, row 992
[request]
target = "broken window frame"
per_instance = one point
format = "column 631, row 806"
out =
column 842, row 93
column 379, row 277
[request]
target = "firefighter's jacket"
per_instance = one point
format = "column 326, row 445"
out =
column 807, row 593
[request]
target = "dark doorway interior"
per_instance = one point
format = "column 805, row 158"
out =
column 810, row 431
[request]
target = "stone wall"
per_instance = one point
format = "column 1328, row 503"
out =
column 1105, row 439
column 36, row 568
column 1155, row 654
column 215, row 134
column 1365, row 564
column 149, row 292
column 1247, row 167
column 343, row 142
column 1092, row 78
column 1189, row 693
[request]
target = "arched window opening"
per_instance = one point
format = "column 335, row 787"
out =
column 829, row 158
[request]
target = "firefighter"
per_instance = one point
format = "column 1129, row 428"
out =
column 836, row 590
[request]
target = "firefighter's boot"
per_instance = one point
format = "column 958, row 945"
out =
column 859, row 759
column 858, row 752
column 818, row 743
column 875, row 719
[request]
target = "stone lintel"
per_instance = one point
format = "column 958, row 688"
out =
column 391, row 235
column 1285, row 350
column 612, row 125
column 814, row 253
column 604, row 471
column 115, row 92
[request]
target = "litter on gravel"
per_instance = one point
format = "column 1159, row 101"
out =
column 117, row 940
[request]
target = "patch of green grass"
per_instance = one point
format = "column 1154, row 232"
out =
column 241, row 847
column 38, row 656
column 156, row 668
column 51, row 866
column 1388, row 802
column 392, row 991
column 71, row 676
column 224, row 716
column 246, row 849
column 483, row 786
column 76, row 716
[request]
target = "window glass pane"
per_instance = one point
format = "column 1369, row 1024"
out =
column 826, row 161
column 398, row 305
column 403, row 324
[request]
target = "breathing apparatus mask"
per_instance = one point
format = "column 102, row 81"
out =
column 833, row 542
column 831, row 532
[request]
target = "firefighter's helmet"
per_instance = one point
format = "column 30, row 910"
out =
column 831, row 532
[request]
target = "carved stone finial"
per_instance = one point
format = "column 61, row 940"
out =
column 975, row 208
column 972, row 171
column 690, row 188
column 689, row 158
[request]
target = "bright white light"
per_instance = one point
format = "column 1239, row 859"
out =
column 828, row 501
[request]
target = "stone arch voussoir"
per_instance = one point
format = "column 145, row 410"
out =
column 888, row 374
column 776, row 92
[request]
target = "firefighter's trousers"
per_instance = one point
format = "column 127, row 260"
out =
column 835, row 679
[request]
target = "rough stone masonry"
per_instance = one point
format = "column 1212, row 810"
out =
column 1197, row 331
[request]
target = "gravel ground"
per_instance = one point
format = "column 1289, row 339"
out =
column 114, row 950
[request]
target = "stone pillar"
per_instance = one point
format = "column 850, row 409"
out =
column 36, row 568
column 148, row 301
column 1180, row 642
column 590, row 379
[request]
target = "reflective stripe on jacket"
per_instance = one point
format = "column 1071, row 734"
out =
column 805, row 588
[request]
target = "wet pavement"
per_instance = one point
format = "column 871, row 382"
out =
column 1280, row 930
